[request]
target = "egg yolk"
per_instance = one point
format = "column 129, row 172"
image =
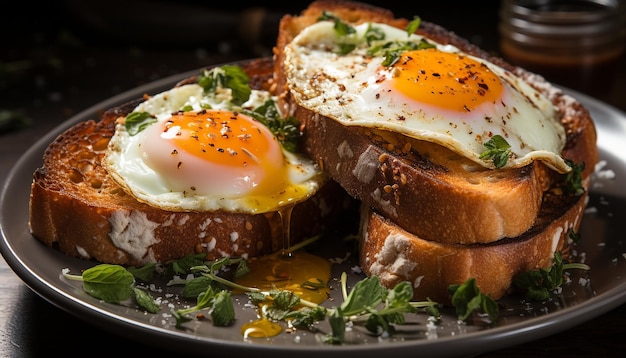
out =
column 445, row 80
column 218, row 153
column 220, row 137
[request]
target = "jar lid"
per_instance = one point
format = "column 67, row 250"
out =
column 565, row 22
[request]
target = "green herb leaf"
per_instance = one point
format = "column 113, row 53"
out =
column 365, row 294
column 413, row 25
column 145, row 300
column 218, row 303
column 373, row 34
column 573, row 179
column 180, row 317
column 392, row 50
column 256, row 298
column 467, row 299
column 138, row 121
column 341, row 28
column 286, row 130
column 306, row 316
column 183, row 265
column 197, row 286
column 144, row 273
column 338, row 327
column 110, row 283
column 538, row 284
column 285, row 299
column 222, row 311
column 227, row 76
column 498, row 150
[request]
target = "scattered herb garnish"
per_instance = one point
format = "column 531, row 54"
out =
column 378, row 306
column 218, row 303
column 573, row 179
column 227, row 76
column 374, row 37
column 537, row 284
column 393, row 49
column 467, row 299
column 498, row 150
column 413, row 25
column 341, row 28
column 373, row 34
column 286, row 130
column 138, row 121
column 369, row 304
column 113, row 284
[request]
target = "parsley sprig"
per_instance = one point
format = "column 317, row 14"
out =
column 538, row 284
column 498, row 150
column 467, row 299
column 573, row 179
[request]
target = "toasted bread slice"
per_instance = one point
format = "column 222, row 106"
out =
column 395, row 255
column 425, row 189
column 78, row 208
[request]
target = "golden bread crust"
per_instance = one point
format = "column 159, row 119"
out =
column 428, row 216
column 78, row 208
column 417, row 185
column 395, row 255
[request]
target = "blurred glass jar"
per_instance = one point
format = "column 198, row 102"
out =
column 577, row 43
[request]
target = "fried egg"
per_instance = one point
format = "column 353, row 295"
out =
column 201, row 153
column 435, row 93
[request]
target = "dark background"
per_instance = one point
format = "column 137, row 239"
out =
column 62, row 55
column 59, row 57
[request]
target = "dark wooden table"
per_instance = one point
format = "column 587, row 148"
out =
column 53, row 67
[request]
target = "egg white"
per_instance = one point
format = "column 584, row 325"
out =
column 347, row 89
column 126, row 161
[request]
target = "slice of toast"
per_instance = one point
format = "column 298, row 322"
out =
column 78, row 208
column 425, row 189
column 428, row 216
column 395, row 255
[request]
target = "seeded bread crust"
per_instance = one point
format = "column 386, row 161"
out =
column 77, row 207
column 423, row 188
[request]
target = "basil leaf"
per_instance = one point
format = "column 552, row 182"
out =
column 138, row 121
column 110, row 283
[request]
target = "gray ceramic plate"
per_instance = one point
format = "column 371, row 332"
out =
column 585, row 297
